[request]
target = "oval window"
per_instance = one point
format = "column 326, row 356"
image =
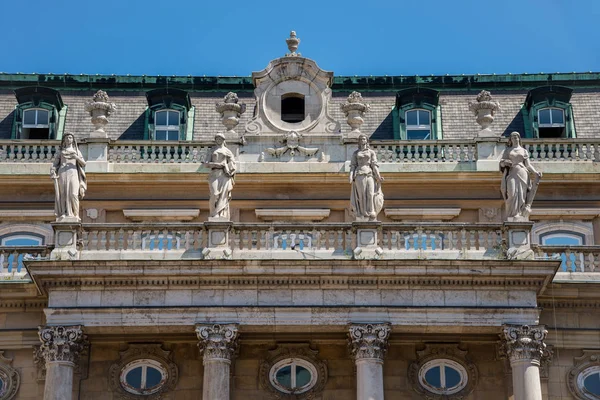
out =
column 589, row 382
column 293, row 375
column 443, row 376
column 143, row 377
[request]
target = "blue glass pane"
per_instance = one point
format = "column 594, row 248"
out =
column 562, row 240
column 1, row 386
column 173, row 135
column 22, row 241
column 134, row 378
column 160, row 118
column 29, row 117
column 302, row 376
column 433, row 378
column 558, row 117
column 153, row 377
column 418, row 134
column 284, row 377
column 42, row 117
column 173, row 118
column 592, row 383
column 161, row 135
column 544, row 117
column 452, row 377
column 423, row 117
column 411, row 117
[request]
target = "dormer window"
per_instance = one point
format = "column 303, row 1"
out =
column 166, row 125
column 418, row 124
column 292, row 108
column 547, row 113
column 39, row 115
column 417, row 115
column 170, row 115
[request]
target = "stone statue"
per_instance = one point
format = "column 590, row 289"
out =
column 69, row 180
column 366, row 199
column 518, row 190
column 220, row 180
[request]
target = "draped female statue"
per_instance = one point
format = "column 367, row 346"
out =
column 69, row 179
column 517, row 187
column 220, row 180
column 366, row 198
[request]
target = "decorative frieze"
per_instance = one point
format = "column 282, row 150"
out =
column 369, row 340
column 61, row 344
column 218, row 341
column 524, row 342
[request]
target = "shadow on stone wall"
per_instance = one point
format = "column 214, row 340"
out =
column 385, row 130
column 517, row 124
column 135, row 131
column 6, row 126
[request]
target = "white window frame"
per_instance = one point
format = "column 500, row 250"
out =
column 442, row 363
column 551, row 124
column 419, row 126
column 169, row 128
column 144, row 364
column 581, row 378
column 36, row 125
column 293, row 363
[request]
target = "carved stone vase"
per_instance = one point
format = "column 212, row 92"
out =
column 230, row 112
column 354, row 108
column 100, row 109
column 484, row 110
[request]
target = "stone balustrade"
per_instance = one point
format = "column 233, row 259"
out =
column 157, row 152
column 28, row 151
column 420, row 151
column 574, row 258
column 563, row 149
column 11, row 260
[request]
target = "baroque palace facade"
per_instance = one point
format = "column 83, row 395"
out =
column 358, row 237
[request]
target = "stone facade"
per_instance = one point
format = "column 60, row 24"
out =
column 289, row 297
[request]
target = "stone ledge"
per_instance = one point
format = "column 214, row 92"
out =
column 564, row 213
column 289, row 214
column 422, row 214
column 163, row 215
column 36, row 215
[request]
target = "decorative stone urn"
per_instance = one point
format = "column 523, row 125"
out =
column 293, row 43
column 484, row 109
column 230, row 112
column 354, row 108
column 100, row 109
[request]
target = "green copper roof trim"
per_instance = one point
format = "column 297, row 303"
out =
column 340, row 83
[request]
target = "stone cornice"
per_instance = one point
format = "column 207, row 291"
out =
column 293, row 273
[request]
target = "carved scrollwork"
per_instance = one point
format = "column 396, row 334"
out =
column 10, row 378
column 524, row 342
column 61, row 343
column 218, row 341
column 369, row 340
column 291, row 143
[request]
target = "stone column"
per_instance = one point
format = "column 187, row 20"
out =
column 60, row 349
column 218, row 344
column 368, row 345
column 524, row 346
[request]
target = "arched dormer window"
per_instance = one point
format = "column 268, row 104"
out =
column 40, row 114
column 170, row 115
column 547, row 113
column 417, row 115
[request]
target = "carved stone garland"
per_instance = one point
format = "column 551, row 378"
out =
column 300, row 351
column 448, row 352
column 217, row 341
column 143, row 352
column 291, row 142
column 369, row 340
column 10, row 377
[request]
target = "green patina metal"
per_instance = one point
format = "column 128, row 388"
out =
column 340, row 83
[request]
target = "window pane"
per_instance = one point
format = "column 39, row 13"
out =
column 544, row 116
column 423, row 117
column 556, row 240
column 284, row 377
column 558, row 117
column 160, row 135
column 134, row 378
column 302, row 376
column 173, row 135
column 42, row 117
column 452, row 377
column 432, row 377
column 173, row 118
column 418, row 134
column 160, row 118
column 22, row 241
column 1, row 386
column 592, row 383
column 411, row 117
column 29, row 117
column 153, row 377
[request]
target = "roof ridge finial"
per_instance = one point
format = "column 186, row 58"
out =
column 292, row 43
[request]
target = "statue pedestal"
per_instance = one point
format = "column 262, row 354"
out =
column 489, row 152
column 218, row 239
column 66, row 234
column 519, row 240
column 367, row 241
column 97, row 155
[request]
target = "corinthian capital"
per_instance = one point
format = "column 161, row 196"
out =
column 369, row 340
column 61, row 343
column 217, row 341
column 524, row 342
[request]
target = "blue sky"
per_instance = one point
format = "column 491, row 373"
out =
column 230, row 38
